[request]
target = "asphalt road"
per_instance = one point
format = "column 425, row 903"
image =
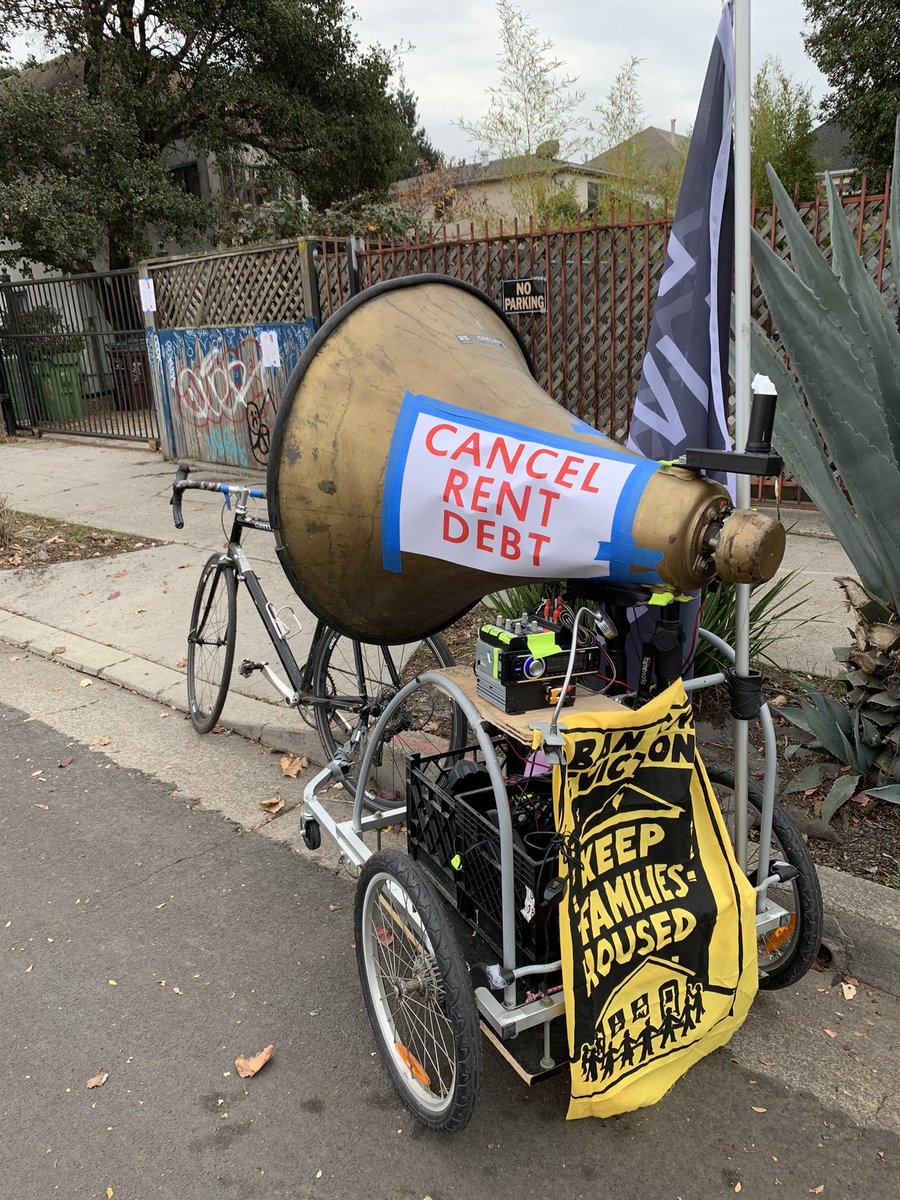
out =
column 147, row 935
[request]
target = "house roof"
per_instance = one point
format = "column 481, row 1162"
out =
column 502, row 168
column 659, row 149
column 828, row 148
column 63, row 71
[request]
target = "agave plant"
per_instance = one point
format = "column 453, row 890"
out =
column 839, row 433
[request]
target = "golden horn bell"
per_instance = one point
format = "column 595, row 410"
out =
column 436, row 345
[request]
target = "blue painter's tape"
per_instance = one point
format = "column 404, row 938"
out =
column 621, row 550
column 625, row 554
column 393, row 482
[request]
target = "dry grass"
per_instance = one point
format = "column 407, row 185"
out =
column 9, row 520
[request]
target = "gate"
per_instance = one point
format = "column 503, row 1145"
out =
column 73, row 357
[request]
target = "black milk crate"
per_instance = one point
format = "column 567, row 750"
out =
column 459, row 848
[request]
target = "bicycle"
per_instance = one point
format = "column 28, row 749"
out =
column 347, row 683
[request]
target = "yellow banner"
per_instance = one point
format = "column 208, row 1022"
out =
column 657, row 923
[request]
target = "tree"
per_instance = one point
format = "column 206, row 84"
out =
column 420, row 153
column 857, row 49
column 285, row 78
column 781, row 131
column 532, row 121
column 633, row 178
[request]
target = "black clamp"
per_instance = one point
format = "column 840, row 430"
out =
column 745, row 693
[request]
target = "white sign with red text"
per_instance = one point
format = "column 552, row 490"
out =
column 502, row 498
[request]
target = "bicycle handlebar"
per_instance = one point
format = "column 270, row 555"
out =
column 177, row 488
column 182, row 484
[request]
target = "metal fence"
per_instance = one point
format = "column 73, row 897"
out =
column 73, row 356
column 588, row 348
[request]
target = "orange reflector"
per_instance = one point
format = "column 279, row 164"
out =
column 417, row 1071
column 776, row 939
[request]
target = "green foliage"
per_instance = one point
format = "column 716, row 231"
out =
column 288, row 217
column 84, row 144
column 43, row 331
column 857, row 49
column 515, row 601
column 632, row 179
column 845, row 351
column 532, row 108
column 851, row 739
column 559, row 208
column 772, row 618
column 839, row 433
column 781, row 131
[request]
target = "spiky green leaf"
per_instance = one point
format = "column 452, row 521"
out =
column 841, row 791
column 890, row 791
column 877, row 328
column 811, row 777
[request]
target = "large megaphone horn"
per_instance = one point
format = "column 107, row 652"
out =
column 416, row 466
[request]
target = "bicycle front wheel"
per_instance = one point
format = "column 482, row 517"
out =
column 358, row 680
column 211, row 643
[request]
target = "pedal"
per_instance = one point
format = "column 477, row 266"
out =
column 784, row 871
column 247, row 668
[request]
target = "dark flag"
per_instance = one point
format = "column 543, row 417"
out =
column 683, row 390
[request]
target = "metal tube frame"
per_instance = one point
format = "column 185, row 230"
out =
column 507, row 1018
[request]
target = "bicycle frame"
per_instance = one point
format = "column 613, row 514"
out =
column 300, row 689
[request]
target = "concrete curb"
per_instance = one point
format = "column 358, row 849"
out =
column 862, row 919
column 272, row 724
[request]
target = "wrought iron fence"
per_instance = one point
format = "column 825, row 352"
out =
column 602, row 280
column 73, row 356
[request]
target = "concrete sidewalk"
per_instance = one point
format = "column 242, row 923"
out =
column 125, row 618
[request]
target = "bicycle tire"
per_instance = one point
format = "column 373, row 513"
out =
column 783, row 957
column 417, row 992
column 211, row 631
column 386, row 668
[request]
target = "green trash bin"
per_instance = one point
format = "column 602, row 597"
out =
column 16, row 389
column 59, row 382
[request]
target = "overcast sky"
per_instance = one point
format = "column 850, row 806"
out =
column 455, row 51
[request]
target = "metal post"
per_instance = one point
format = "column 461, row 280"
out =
column 164, row 420
column 20, row 349
column 742, row 385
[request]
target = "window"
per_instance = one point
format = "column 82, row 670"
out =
column 187, row 177
column 593, row 195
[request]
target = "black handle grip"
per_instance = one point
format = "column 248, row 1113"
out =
column 180, row 476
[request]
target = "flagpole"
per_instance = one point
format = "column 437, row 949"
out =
column 742, row 219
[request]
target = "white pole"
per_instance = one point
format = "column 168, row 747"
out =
column 742, row 218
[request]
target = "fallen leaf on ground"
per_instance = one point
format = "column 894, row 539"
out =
column 849, row 990
column 177, row 991
column 161, row 982
column 99, row 741
column 98, row 1080
column 86, row 592
column 113, row 595
column 181, row 566
column 182, row 662
column 756, row 1108
column 119, row 574
column 112, row 983
column 45, row 807
column 29, row 969
column 67, row 761
column 247, row 1067
column 85, row 683
column 163, row 905
column 273, row 805
column 817, row 1191
column 291, row 765
column 137, row 611
column 334, row 908
column 58, row 650
column 319, row 1173
column 34, row 774
column 830, row 1032
column 14, row 658
column 109, row 1194
column 738, row 1187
